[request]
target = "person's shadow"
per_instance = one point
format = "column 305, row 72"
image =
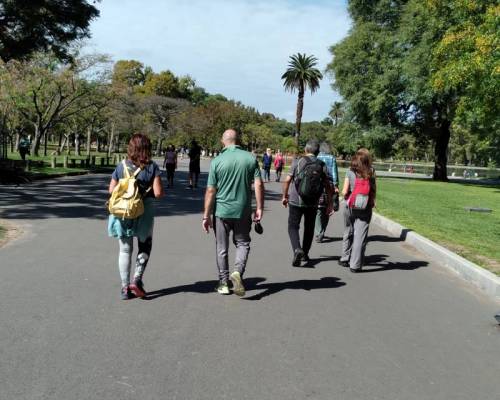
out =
column 378, row 262
column 326, row 282
column 251, row 284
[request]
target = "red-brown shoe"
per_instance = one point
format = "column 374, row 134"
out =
column 138, row 288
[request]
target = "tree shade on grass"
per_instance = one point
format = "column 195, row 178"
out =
column 437, row 211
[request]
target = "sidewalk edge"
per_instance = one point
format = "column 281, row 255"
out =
column 488, row 282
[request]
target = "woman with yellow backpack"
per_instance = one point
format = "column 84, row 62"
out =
column 135, row 183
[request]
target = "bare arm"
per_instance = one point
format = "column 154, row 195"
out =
column 112, row 185
column 158, row 187
column 286, row 186
column 209, row 207
column 345, row 188
column 259, row 199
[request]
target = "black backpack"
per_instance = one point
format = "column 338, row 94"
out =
column 310, row 180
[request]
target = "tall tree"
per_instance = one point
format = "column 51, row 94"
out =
column 336, row 112
column 301, row 75
column 28, row 26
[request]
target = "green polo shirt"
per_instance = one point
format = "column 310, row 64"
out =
column 232, row 173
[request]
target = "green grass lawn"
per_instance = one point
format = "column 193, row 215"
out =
column 47, row 169
column 2, row 232
column 436, row 211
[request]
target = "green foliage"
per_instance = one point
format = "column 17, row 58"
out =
column 129, row 73
column 44, row 25
column 301, row 75
column 422, row 68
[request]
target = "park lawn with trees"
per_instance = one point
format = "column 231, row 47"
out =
column 437, row 211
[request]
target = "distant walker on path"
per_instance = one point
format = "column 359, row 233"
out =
column 229, row 198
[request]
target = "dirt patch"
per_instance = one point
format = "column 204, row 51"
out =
column 11, row 233
column 485, row 262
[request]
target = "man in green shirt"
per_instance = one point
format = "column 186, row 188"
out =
column 229, row 198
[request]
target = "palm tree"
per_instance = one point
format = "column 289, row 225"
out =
column 336, row 112
column 299, row 76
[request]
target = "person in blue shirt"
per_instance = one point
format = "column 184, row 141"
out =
column 267, row 160
column 322, row 217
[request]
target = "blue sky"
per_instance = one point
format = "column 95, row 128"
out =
column 239, row 48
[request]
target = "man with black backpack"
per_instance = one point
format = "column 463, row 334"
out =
column 306, row 181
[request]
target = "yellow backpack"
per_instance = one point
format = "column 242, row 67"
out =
column 126, row 200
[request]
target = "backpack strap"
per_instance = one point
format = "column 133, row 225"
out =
column 137, row 172
column 125, row 169
column 127, row 172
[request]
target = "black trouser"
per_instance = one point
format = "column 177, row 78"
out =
column 294, row 216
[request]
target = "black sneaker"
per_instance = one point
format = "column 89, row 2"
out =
column 306, row 258
column 297, row 257
column 138, row 288
column 344, row 264
column 355, row 271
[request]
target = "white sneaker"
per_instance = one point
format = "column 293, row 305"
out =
column 238, row 288
column 223, row 288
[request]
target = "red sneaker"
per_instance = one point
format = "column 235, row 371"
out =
column 138, row 288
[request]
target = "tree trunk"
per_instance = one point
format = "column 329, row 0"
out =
column 440, row 152
column 35, row 146
column 98, row 142
column 111, row 138
column 45, row 141
column 63, row 143
column 18, row 137
column 89, row 139
column 158, row 146
column 298, row 120
column 77, row 144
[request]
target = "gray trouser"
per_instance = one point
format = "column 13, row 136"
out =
column 356, row 225
column 322, row 219
column 241, row 239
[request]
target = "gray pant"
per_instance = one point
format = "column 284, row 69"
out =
column 356, row 225
column 241, row 239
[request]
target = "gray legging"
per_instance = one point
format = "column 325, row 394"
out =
column 125, row 258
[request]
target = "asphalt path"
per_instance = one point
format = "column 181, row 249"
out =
column 404, row 328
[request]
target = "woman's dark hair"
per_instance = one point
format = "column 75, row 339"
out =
column 139, row 149
column 361, row 163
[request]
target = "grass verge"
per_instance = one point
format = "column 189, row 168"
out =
column 437, row 211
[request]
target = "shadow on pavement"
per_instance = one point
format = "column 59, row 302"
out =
column 315, row 261
column 85, row 197
column 379, row 261
column 302, row 284
column 197, row 287
column 331, row 239
column 255, row 283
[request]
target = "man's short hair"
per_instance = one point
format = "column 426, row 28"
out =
column 324, row 148
column 312, row 147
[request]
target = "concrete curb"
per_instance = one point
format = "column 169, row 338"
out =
column 472, row 273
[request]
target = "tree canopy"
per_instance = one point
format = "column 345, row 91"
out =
column 423, row 68
column 28, row 26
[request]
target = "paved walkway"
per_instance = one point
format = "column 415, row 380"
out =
column 402, row 329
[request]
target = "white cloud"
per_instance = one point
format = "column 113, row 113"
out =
column 239, row 48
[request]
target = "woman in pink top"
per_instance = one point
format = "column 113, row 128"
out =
column 170, row 164
column 279, row 163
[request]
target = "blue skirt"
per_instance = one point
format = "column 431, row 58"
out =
column 141, row 227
